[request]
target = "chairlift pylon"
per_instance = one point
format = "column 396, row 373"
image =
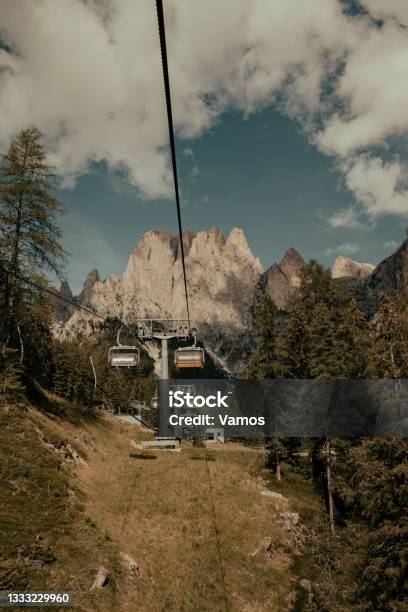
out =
column 123, row 355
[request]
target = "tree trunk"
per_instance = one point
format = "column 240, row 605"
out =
column 329, row 480
column 278, row 470
column 13, row 282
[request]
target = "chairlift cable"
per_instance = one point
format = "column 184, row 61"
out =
column 55, row 295
column 163, row 49
column 29, row 282
column 101, row 388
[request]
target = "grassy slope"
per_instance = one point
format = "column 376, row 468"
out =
column 45, row 538
column 190, row 524
column 331, row 563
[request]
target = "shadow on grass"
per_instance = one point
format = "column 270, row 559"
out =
column 141, row 456
column 206, row 457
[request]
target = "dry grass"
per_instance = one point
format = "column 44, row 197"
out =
column 46, row 541
column 191, row 525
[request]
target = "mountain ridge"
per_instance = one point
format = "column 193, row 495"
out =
column 223, row 279
column 345, row 267
column 222, row 276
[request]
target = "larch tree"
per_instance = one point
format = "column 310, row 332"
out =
column 29, row 234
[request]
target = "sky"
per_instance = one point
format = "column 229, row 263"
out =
column 290, row 119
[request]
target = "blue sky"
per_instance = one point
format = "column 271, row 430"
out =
column 258, row 173
column 291, row 121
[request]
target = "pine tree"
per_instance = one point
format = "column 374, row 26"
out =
column 293, row 347
column 338, row 340
column 325, row 338
column 325, row 334
column 29, row 236
column 292, row 351
column 388, row 354
column 262, row 364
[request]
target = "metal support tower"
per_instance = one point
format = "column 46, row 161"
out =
column 163, row 330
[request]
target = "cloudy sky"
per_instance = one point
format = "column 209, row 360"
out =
column 291, row 120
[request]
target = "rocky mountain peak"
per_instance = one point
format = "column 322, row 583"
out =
column 188, row 237
column 281, row 280
column 390, row 274
column 62, row 309
column 206, row 244
column 153, row 243
column 291, row 265
column 344, row 267
column 237, row 245
column 93, row 277
column 65, row 290
column 222, row 275
column 86, row 293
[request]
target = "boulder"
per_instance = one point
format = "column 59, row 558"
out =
column 280, row 502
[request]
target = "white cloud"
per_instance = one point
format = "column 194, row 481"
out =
column 88, row 74
column 383, row 9
column 379, row 186
column 188, row 152
column 192, row 175
column 390, row 245
column 347, row 248
column 346, row 217
column 374, row 92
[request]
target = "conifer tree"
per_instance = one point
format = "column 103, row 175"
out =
column 338, row 340
column 388, row 354
column 325, row 338
column 325, row 334
column 263, row 357
column 11, row 387
column 292, row 350
column 29, row 236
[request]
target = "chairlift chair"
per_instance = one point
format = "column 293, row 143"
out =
column 123, row 356
column 189, row 357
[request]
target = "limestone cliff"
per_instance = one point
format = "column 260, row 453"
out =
column 222, row 276
column 281, row 280
column 344, row 267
